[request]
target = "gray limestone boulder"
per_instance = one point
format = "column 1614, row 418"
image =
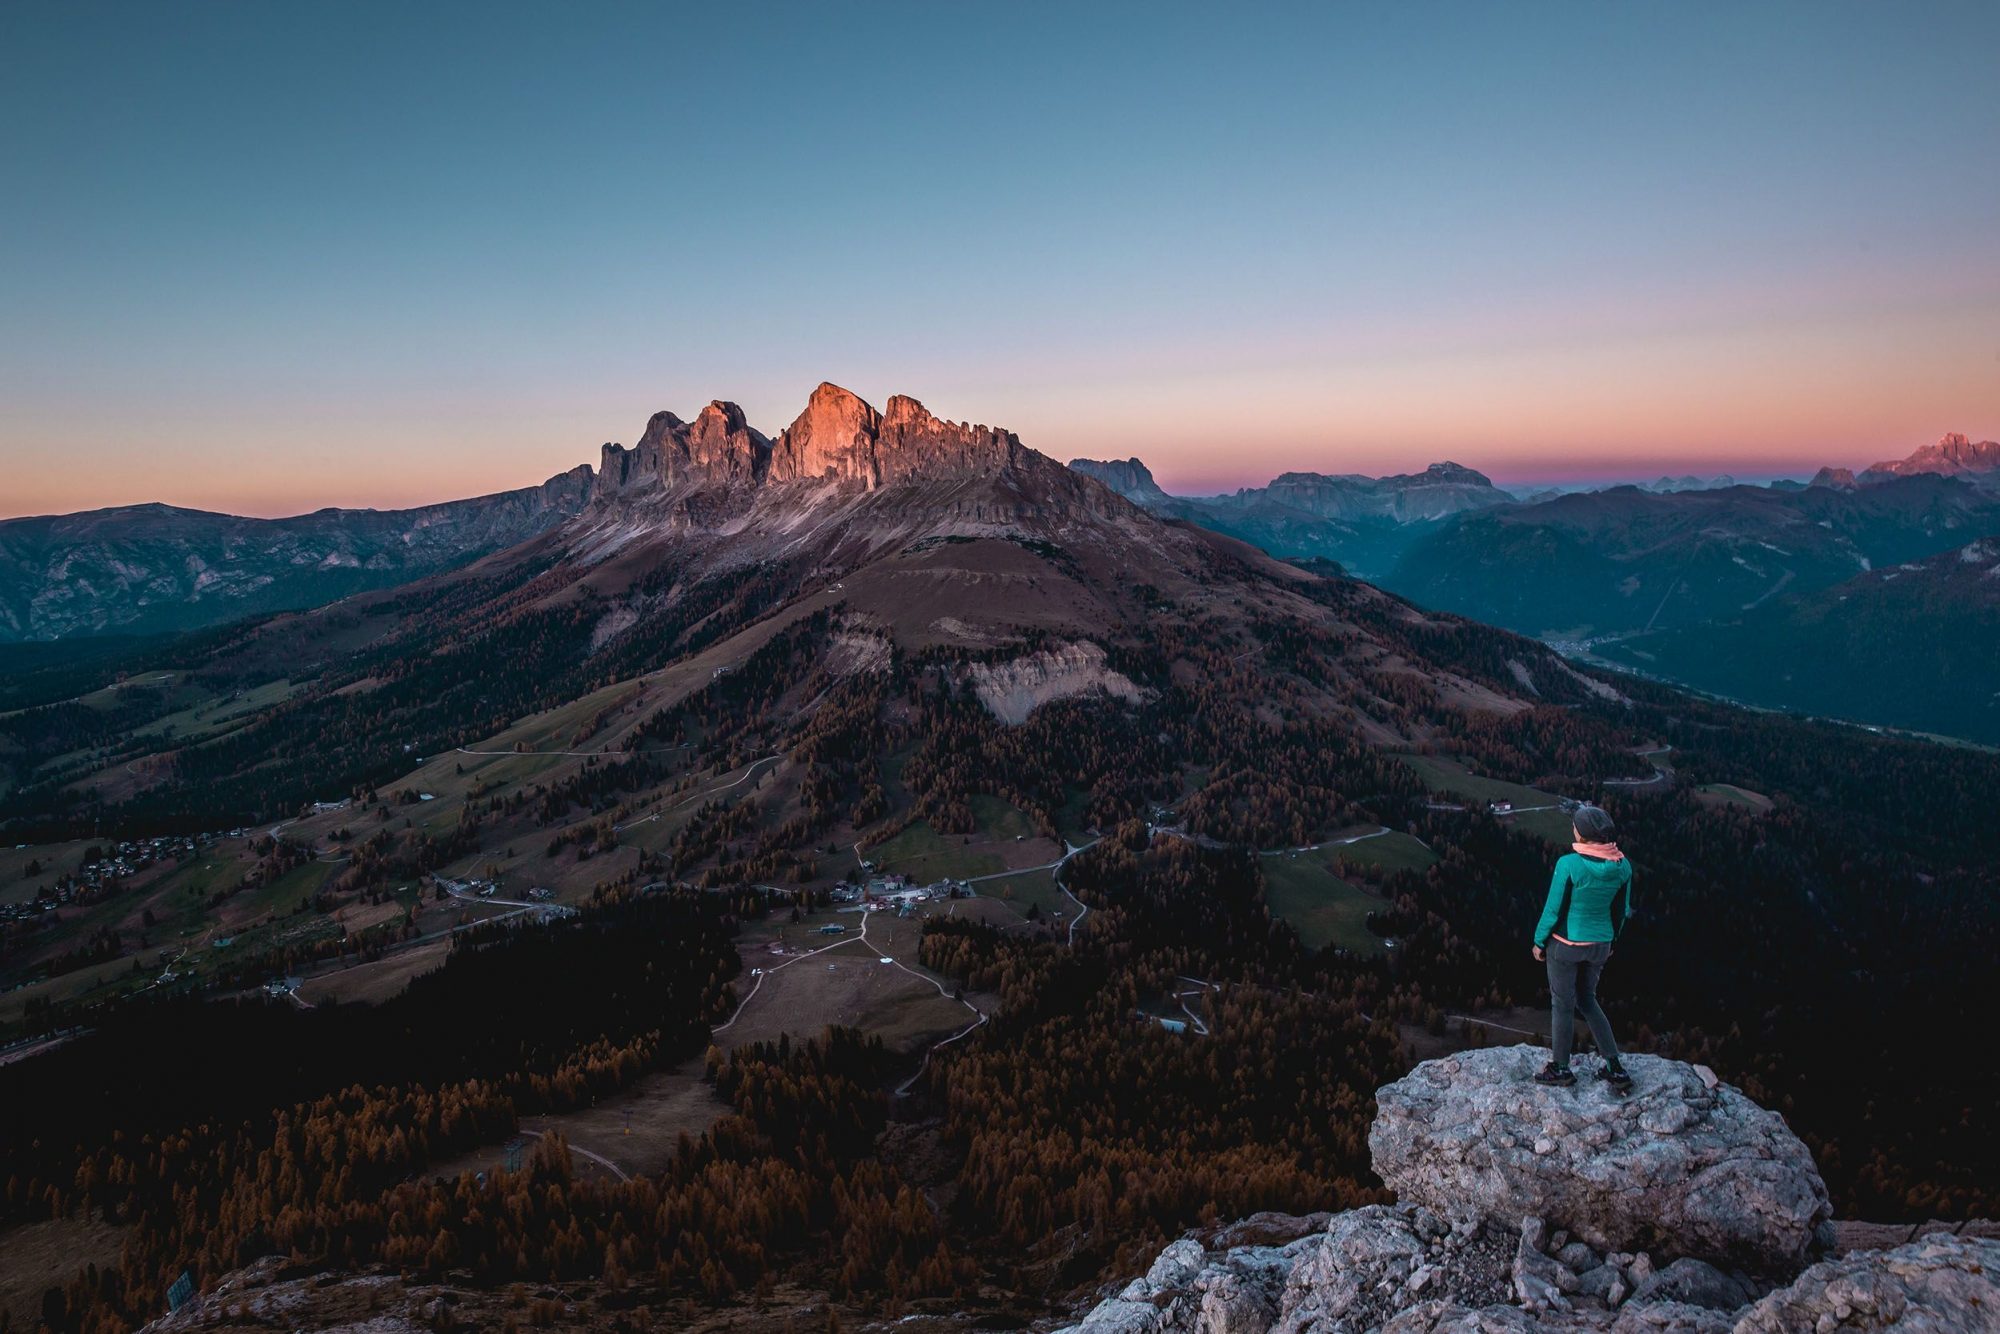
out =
column 1191, row 1288
column 1540, row 1280
column 1695, row 1282
column 1356, row 1273
column 1663, row 1318
column 1577, row 1255
column 1452, row 1318
column 1265, row 1228
column 1676, row 1165
column 1672, row 1318
column 1938, row 1284
column 1530, row 1210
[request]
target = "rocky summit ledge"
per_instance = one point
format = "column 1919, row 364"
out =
column 1675, row 1164
column 1680, row 1208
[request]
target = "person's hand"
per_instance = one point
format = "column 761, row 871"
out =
column 1538, row 954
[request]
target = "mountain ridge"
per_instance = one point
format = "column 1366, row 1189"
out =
column 837, row 437
column 1283, row 815
column 1594, row 563
column 67, row 575
column 1441, row 488
column 1361, row 523
column 1829, row 650
column 1954, row 455
column 52, row 584
column 1670, row 562
column 917, row 534
column 154, row 567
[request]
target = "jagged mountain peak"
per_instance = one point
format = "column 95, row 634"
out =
column 719, row 445
column 1447, row 471
column 841, row 437
column 1953, row 455
column 838, row 437
column 828, row 396
column 1130, row 478
column 831, row 439
column 903, row 411
column 720, row 414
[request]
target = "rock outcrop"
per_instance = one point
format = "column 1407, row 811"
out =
column 1531, row 1209
column 1675, row 1164
column 1013, row 690
column 719, row 446
column 1439, row 490
column 834, row 438
column 916, row 444
column 1939, row 1283
column 840, row 438
column 716, row 468
column 1954, row 455
column 1129, row 478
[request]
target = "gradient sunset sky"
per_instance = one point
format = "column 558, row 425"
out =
column 268, row 257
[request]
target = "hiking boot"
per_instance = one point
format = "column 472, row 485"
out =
column 1616, row 1076
column 1558, row 1075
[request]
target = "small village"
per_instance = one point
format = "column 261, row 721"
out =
column 885, row 892
column 103, row 869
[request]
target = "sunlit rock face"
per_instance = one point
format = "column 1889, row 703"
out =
column 841, row 438
column 1954, row 455
column 833, row 439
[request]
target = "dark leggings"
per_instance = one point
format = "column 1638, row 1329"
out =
column 1573, row 974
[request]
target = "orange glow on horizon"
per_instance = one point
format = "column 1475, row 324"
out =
column 1769, row 401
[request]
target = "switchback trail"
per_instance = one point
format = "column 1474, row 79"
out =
column 979, row 1014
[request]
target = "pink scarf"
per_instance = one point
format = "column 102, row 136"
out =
column 1604, row 852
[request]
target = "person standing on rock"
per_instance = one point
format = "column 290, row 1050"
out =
column 1590, row 896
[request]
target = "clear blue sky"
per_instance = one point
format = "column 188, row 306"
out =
column 267, row 256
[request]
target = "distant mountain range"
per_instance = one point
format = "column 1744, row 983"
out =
column 1159, row 813
column 1668, row 485
column 1583, row 566
column 154, row 568
column 1953, row 456
column 1651, row 563
column 1363, row 523
column 1670, row 562
column 1916, row 645
column 144, row 569
column 893, row 533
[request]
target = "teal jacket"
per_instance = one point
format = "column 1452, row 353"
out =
column 1588, row 902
